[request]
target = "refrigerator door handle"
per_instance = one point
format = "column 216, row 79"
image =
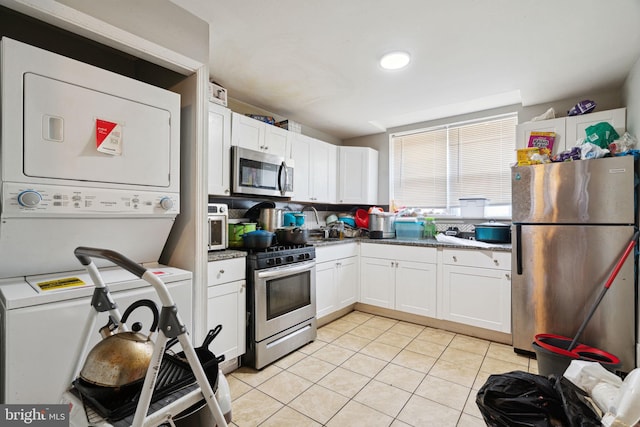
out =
column 519, row 249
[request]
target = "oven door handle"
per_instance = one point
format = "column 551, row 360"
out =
column 266, row 274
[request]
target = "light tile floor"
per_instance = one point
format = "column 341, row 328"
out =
column 366, row 370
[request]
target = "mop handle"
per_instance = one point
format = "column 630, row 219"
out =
column 607, row 285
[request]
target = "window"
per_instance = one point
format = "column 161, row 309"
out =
column 433, row 168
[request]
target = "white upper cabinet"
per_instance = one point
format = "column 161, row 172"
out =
column 315, row 166
column 569, row 129
column 357, row 175
column 523, row 132
column 576, row 125
column 276, row 140
column 219, row 147
column 301, row 155
column 259, row 136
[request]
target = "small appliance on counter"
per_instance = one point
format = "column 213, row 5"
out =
column 217, row 225
column 381, row 225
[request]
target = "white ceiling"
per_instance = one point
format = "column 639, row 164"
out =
column 315, row 62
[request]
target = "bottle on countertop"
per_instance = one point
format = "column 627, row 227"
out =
column 430, row 230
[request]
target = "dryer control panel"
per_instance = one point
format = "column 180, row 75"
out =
column 25, row 200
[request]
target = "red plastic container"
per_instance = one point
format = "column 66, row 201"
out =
column 362, row 218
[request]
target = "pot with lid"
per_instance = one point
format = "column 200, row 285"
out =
column 292, row 235
column 493, row 232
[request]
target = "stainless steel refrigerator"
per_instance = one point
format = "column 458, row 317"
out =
column 571, row 224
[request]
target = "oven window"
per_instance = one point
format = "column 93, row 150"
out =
column 287, row 294
column 215, row 231
column 258, row 174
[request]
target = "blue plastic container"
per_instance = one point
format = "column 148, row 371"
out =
column 409, row 230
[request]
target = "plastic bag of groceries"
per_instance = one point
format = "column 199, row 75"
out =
column 582, row 107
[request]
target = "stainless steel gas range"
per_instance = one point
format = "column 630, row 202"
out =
column 281, row 302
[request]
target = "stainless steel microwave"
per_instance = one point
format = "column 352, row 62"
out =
column 263, row 174
column 218, row 226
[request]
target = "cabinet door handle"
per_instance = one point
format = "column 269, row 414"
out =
column 495, row 261
column 508, row 276
column 226, row 191
column 455, row 259
column 221, row 271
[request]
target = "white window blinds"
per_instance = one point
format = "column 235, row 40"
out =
column 435, row 167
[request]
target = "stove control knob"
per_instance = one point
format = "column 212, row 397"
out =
column 271, row 261
column 29, row 198
column 166, row 203
column 278, row 260
column 301, row 257
column 290, row 258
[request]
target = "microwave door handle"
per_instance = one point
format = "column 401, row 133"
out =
column 282, row 273
column 283, row 186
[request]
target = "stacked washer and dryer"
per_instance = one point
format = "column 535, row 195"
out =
column 87, row 158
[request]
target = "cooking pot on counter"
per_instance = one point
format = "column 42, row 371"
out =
column 237, row 229
column 382, row 225
column 493, row 232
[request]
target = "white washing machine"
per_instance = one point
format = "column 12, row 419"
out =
column 42, row 319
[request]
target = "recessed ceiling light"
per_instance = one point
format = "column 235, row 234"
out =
column 395, row 60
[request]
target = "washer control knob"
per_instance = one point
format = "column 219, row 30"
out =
column 166, row 203
column 29, row 198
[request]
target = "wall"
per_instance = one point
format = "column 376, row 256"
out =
column 164, row 23
column 605, row 100
column 631, row 95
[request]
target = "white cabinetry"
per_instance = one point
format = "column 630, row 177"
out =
column 399, row 277
column 219, row 148
column 357, row 175
column 569, row 129
column 226, row 305
column 476, row 288
column 259, row 136
column 336, row 277
column 315, row 169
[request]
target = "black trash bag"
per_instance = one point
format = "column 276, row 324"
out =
column 578, row 410
column 521, row 399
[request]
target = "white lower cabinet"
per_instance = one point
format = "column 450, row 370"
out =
column 476, row 288
column 405, row 282
column 336, row 277
column 226, row 306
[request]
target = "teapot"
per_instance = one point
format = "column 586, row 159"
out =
column 122, row 357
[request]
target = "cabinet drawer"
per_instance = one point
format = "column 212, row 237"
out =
column 337, row 251
column 477, row 258
column 225, row 271
column 399, row 252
